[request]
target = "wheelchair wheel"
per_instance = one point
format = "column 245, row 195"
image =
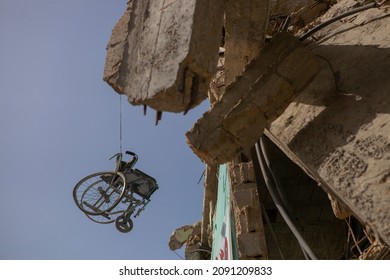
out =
column 100, row 219
column 99, row 192
column 124, row 224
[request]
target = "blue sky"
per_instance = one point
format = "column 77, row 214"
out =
column 59, row 122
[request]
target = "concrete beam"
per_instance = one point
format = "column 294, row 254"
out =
column 264, row 89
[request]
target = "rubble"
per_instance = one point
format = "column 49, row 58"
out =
column 182, row 235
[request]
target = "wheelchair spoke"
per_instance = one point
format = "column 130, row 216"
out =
column 99, row 192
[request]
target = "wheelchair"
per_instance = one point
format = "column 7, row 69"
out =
column 115, row 196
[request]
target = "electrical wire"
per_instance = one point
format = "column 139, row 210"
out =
column 272, row 230
column 336, row 18
column 284, row 202
column 281, row 207
column 278, row 185
column 262, row 154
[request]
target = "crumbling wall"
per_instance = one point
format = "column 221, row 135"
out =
column 245, row 29
column 338, row 129
column 249, row 229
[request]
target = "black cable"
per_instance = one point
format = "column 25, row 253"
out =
column 278, row 185
column 305, row 247
column 275, row 193
column 279, row 190
column 267, row 220
column 336, row 18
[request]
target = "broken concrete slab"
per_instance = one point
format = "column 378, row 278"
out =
column 163, row 53
column 341, row 135
column 246, row 26
column 264, row 89
column 182, row 234
column 246, row 23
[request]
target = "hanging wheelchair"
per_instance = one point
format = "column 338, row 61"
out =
column 115, row 196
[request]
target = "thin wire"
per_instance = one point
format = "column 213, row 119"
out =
column 274, row 194
column 353, row 235
column 178, row 255
column 278, row 185
column 120, row 123
column 336, row 18
column 204, row 171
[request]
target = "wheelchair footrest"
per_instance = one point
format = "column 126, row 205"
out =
column 91, row 206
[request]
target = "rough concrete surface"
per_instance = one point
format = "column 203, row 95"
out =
column 340, row 133
column 263, row 90
column 163, row 53
column 246, row 25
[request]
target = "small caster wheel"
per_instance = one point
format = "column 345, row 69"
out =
column 124, row 224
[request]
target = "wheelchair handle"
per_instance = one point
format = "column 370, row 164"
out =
column 131, row 153
column 116, row 155
column 117, row 161
column 135, row 158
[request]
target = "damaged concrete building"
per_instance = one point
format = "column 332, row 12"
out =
column 297, row 138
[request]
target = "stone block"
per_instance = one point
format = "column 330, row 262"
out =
column 249, row 219
column 247, row 172
column 249, row 245
column 247, row 196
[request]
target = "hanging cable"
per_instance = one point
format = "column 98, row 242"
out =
column 261, row 154
column 120, row 123
column 267, row 220
column 278, row 185
column 278, row 191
